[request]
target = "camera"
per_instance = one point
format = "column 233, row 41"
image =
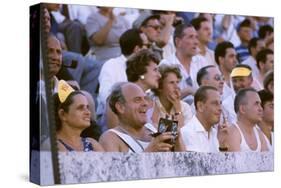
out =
column 168, row 125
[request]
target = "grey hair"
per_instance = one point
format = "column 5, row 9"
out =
column 116, row 95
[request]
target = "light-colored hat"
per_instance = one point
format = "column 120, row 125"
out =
column 240, row 71
column 64, row 90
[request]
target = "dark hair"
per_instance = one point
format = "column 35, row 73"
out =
column 202, row 73
column 265, row 96
column 240, row 97
column 65, row 106
column 129, row 40
column 196, row 22
column 253, row 44
column 262, row 55
column 221, row 48
column 137, row 63
column 179, row 31
column 244, row 23
column 116, row 95
column 265, row 30
column 164, row 71
column 201, row 94
column 267, row 79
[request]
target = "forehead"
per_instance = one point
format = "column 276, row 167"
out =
column 213, row 70
column 212, row 95
column 170, row 76
column 189, row 31
column 230, row 51
column 269, row 57
column 240, row 78
column 53, row 42
column 153, row 21
column 80, row 99
column 252, row 96
column 131, row 91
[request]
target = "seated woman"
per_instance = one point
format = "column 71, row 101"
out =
column 167, row 102
column 72, row 116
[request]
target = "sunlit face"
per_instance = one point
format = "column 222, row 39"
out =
column 54, row 55
column 214, row 78
column 205, row 32
column 230, row 60
column 188, row 44
column 152, row 29
column 152, row 76
column 47, row 20
column 170, row 84
column 241, row 82
column 268, row 65
column 78, row 115
column 135, row 107
column 268, row 112
column 252, row 108
column 245, row 34
column 212, row 107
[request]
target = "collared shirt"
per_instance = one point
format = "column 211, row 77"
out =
column 188, row 78
column 196, row 138
column 113, row 71
column 209, row 56
column 253, row 64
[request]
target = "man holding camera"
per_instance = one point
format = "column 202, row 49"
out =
column 128, row 102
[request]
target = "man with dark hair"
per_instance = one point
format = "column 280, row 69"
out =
column 266, row 33
column 128, row 102
column 245, row 33
column 225, row 56
column 187, row 59
column 244, row 135
column 114, row 70
column 211, row 76
column 268, row 82
column 199, row 134
column 265, row 63
column 255, row 45
column 267, row 123
column 204, row 30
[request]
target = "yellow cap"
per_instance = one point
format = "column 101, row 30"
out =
column 240, row 71
column 64, row 90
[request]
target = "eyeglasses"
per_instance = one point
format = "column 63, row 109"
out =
column 156, row 27
column 219, row 77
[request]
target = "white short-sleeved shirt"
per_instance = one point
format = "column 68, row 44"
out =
column 196, row 138
column 113, row 71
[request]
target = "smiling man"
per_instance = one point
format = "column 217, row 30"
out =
column 128, row 102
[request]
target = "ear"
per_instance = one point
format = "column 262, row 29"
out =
column 62, row 114
column 220, row 59
column 120, row 107
column 242, row 109
column 200, row 106
column 177, row 40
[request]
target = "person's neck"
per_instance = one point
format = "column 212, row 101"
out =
column 226, row 75
column 104, row 13
column 245, row 124
column 244, row 43
column 184, row 60
column 70, row 135
column 207, row 126
column 203, row 48
column 266, row 128
column 166, row 103
column 143, row 86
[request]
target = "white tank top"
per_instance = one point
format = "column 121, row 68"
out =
column 134, row 145
column 244, row 146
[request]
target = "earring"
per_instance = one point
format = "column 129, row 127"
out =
column 142, row 77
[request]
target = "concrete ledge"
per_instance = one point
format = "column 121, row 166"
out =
column 96, row 167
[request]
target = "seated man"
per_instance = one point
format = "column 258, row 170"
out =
column 128, row 102
column 199, row 134
column 244, row 135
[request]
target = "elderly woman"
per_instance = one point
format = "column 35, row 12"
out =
column 167, row 101
column 72, row 116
